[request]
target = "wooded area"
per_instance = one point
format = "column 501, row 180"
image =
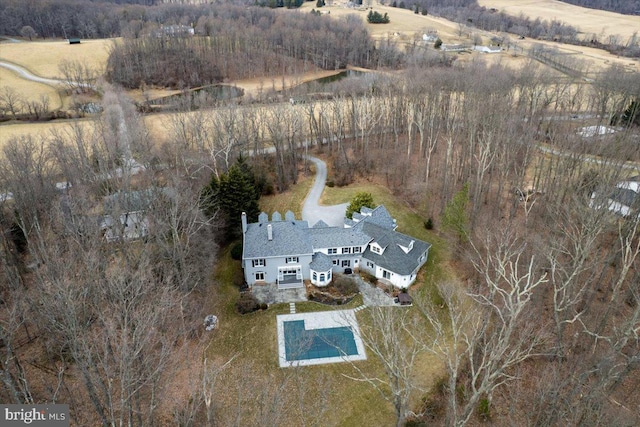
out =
column 110, row 239
column 119, row 316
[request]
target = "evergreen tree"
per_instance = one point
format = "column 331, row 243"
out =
column 358, row 201
column 235, row 192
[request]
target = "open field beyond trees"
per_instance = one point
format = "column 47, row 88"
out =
column 43, row 58
column 587, row 21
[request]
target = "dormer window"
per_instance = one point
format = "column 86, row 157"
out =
column 346, row 250
column 376, row 249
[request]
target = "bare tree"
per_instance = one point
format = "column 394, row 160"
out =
column 79, row 76
column 393, row 335
column 11, row 100
column 491, row 329
column 28, row 32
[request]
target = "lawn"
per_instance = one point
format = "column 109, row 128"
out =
column 292, row 199
column 253, row 338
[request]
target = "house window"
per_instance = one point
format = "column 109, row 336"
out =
column 259, row 262
column 357, row 249
column 346, row 250
column 315, row 276
column 291, row 260
column 336, row 262
column 386, row 274
column 329, row 275
column 332, row 251
column 322, row 277
column 369, row 264
column 260, row 276
column 375, row 249
column 346, row 263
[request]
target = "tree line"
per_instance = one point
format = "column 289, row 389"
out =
column 243, row 42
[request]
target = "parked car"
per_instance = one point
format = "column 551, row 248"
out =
column 348, row 271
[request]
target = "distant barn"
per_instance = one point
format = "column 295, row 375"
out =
column 74, row 40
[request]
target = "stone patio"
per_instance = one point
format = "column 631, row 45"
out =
column 270, row 294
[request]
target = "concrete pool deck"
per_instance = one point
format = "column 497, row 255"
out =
column 320, row 320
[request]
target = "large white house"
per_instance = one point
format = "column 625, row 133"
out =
column 287, row 251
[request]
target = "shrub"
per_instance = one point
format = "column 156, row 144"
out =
column 346, row 286
column 331, row 184
column 438, row 43
column 484, row 410
column 368, row 277
column 236, row 251
column 428, row 224
column 264, row 306
column 377, row 18
column 247, row 303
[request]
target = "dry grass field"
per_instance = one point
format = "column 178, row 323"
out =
column 588, row 21
column 31, row 91
column 404, row 24
column 43, row 57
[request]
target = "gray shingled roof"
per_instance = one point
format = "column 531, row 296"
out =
column 321, row 262
column 380, row 216
column 320, row 224
column 626, row 197
column 394, row 258
column 289, row 238
column 335, row 237
column 133, row 201
column 349, row 222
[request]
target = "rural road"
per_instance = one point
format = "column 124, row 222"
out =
column 312, row 212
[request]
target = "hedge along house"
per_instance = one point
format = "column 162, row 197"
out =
column 288, row 252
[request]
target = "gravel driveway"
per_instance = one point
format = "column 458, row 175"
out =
column 312, row 212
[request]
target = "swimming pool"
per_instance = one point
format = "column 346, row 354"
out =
column 318, row 338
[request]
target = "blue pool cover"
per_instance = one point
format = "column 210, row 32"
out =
column 302, row 344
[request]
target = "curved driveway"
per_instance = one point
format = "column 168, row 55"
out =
column 26, row 74
column 312, row 212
